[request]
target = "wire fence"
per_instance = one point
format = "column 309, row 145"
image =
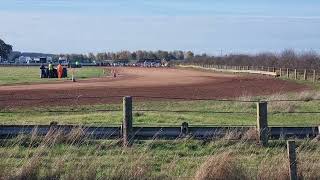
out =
column 186, row 110
column 135, row 110
column 156, row 97
column 289, row 73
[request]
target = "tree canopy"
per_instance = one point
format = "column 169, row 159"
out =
column 5, row 49
column 127, row 55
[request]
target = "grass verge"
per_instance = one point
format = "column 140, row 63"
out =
column 283, row 113
column 74, row 157
column 29, row 75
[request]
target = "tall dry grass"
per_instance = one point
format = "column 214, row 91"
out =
column 250, row 135
column 87, row 167
column 275, row 168
column 225, row 162
column 222, row 166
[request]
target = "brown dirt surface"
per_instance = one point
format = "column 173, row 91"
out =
column 145, row 84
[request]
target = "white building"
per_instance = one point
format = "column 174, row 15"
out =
column 63, row 60
column 49, row 59
column 21, row 60
column 24, row 59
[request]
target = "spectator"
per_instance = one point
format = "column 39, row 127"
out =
column 60, row 71
column 43, row 71
column 50, row 68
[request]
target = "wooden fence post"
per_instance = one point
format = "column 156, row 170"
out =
column 184, row 129
column 314, row 76
column 305, row 75
column 53, row 126
column 127, row 122
column 295, row 74
column 262, row 123
column 288, row 73
column 291, row 148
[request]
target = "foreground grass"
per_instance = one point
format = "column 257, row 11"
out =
column 75, row 158
column 28, row 75
column 304, row 113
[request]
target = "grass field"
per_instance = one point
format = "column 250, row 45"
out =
column 56, row 158
column 200, row 113
column 29, row 75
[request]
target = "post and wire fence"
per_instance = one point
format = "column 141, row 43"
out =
column 130, row 130
column 311, row 75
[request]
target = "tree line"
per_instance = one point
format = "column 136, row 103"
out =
column 5, row 49
column 6, row 53
column 286, row 59
column 128, row 56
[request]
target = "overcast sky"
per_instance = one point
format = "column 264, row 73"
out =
column 81, row 26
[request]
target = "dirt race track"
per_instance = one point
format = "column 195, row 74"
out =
column 146, row 84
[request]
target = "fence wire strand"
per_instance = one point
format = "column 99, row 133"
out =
column 159, row 97
column 134, row 110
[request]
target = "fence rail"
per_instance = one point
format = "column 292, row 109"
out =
column 164, row 132
column 289, row 73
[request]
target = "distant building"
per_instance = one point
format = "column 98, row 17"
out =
column 49, row 59
column 43, row 60
column 24, row 59
column 63, row 60
column 36, row 60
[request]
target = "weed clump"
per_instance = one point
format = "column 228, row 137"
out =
column 221, row 167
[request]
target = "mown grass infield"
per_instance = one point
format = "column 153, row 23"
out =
column 31, row 75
